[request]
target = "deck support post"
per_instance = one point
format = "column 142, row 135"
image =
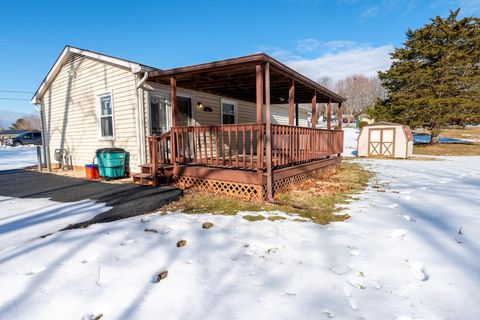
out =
column 291, row 101
column 329, row 115
column 259, row 87
column 268, row 142
column 339, row 115
column 173, row 102
column 259, row 101
column 314, row 110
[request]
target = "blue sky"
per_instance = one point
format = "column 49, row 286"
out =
column 317, row 37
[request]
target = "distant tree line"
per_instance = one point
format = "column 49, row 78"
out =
column 31, row 122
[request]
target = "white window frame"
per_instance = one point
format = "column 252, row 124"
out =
column 235, row 109
column 100, row 95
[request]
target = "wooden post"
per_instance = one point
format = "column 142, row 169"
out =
column 173, row 100
column 259, row 86
column 314, row 110
column 268, row 142
column 339, row 115
column 329, row 115
column 291, row 101
column 173, row 104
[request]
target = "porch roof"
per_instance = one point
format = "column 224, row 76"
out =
column 236, row 78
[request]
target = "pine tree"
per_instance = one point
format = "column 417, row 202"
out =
column 434, row 80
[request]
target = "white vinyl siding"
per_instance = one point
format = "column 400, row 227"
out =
column 71, row 110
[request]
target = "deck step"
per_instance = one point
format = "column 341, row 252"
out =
column 146, row 179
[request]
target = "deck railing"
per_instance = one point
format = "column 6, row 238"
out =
column 236, row 145
column 243, row 146
column 295, row 145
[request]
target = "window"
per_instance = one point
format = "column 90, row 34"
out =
column 105, row 115
column 229, row 112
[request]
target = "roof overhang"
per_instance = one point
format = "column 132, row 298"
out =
column 68, row 51
column 235, row 78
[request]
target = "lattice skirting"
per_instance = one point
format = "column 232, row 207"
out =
column 234, row 189
column 248, row 191
column 285, row 184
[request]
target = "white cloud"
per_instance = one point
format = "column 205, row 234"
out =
column 305, row 45
column 363, row 59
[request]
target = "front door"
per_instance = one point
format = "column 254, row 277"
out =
column 158, row 115
column 381, row 142
column 185, row 114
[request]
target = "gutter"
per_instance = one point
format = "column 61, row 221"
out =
column 140, row 115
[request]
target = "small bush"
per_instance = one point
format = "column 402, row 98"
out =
column 361, row 124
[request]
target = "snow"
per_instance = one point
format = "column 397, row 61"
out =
column 25, row 220
column 400, row 256
column 17, row 157
column 350, row 136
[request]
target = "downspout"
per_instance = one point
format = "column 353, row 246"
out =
column 140, row 117
column 46, row 156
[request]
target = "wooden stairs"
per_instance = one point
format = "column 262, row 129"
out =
column 148, row 177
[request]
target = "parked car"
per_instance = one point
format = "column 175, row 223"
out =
column 29, row 137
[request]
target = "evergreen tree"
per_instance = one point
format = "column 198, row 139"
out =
column 434, row 80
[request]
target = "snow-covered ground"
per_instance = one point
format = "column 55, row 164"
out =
column 401, row 254
column 409, row 251
column 17, row 157
column 350, row 136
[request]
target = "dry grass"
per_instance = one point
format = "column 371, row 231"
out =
column 316, row 199
column 466, row 133
column 448, row 149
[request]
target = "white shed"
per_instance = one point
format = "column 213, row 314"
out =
column 385, row 139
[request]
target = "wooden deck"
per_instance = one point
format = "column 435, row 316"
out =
column 237, row 154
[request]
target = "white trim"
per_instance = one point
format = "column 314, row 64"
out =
column 98, row 96
column 235, row 108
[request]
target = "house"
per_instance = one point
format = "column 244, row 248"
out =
column 365, row 118
column 385, row 139
column 233, row 126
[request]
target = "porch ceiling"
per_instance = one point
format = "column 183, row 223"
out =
column 235, row 78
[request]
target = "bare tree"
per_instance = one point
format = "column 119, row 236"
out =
column 31, row 122
column 360, row 91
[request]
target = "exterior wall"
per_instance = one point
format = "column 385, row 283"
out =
column 70, row 110
column 403, row 147
column 246, row 111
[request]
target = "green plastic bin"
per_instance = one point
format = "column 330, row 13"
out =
column 111, row 162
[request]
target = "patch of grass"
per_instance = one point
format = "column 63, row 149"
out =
column 447, row 149
column 253, row 218
column 276, row 218
column 315, row 199
column 465, row 133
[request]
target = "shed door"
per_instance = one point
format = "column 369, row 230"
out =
column 381, row 142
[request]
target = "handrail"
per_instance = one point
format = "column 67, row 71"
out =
column 243, row 146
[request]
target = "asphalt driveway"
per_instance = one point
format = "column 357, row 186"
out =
column 126, row 200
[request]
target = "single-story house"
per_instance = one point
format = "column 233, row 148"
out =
column 238, row 123
column 385, row 139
